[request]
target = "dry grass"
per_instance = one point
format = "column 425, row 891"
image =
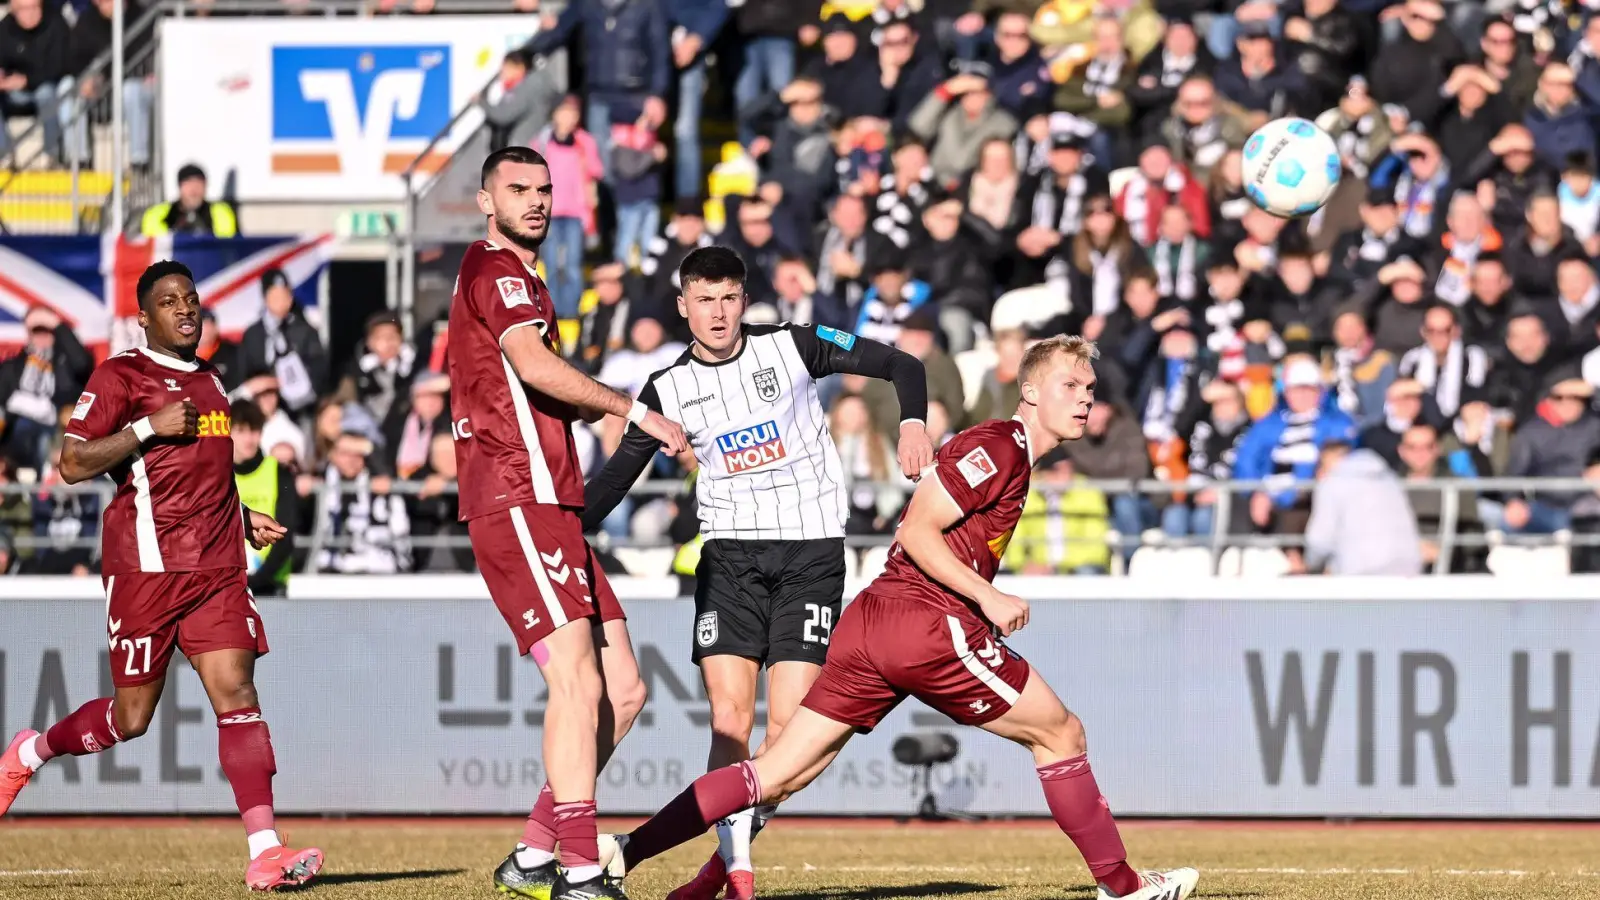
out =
column 438, row 859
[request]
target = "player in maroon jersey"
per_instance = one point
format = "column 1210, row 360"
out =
column 513, row 401
column 172, row 560
column 927, row 628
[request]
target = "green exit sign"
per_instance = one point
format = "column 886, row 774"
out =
column 365, row 223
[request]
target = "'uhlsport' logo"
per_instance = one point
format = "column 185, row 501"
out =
column 751, row 448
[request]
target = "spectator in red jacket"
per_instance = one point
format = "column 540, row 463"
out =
column 1160, row 183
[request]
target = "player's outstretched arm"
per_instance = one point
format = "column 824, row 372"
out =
column 537, row 365
column 82, row 460
column 607, row 488
column 828, row 351
column 921, row 537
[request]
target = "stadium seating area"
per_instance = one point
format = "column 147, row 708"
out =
column 958, row 177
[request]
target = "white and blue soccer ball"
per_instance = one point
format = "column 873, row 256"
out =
column 1291, row 167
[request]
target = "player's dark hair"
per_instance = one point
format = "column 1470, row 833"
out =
column 156, row 272
column 248, row 414
column 524, row 155
column 711, row 264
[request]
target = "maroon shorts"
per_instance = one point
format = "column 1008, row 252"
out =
column 540, row 571
column 148, row 613
column 885, row 649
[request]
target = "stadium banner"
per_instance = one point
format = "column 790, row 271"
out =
column 324, row 109
column 89, row 280
column 1428, row 697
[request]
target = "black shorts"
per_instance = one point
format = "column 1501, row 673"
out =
column 770, row 601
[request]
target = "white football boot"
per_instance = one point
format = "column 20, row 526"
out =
column 1177, row 884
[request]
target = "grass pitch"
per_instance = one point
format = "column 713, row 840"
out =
column 828, row 860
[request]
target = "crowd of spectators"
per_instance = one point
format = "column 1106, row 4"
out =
column 959, row 177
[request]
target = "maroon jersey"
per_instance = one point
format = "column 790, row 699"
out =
column 176, row 507
column 985, row 470
column 513, row 444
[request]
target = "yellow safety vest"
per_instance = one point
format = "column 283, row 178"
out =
column 223, row 222
column 687, row 560
column 259, row 491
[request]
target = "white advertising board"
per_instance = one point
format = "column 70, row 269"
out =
column 1427, row 697
column 323, row 109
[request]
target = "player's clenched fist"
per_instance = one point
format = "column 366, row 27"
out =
column 1005, row 612
column 669, row 433
column 916, row 449
column 180, row 419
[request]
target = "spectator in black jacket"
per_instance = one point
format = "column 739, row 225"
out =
column 794, row 141
column 627, row 62
column 1262, row 76
column 380, row 377
column 659, row 270
column 283, row 343
column 768, row 29
column 1533, row 258
column 36, row 384
column 1523, row 365
column 1162, row 71
column 852, row 83
column 1021, row 82
column 33, row 58
column 1327, row 46
column 1506, row 175
column 1411, row 70
column 908, row 69
column 949, row 261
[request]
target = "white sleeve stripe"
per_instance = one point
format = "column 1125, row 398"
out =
column 71, row 435
column 537, row 323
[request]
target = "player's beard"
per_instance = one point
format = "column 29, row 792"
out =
column 522, row 237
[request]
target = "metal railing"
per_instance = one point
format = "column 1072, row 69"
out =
column 30, row 186
column 1450, row 537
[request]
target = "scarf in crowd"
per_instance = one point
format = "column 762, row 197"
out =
column 416, row 443
column 1107, row 274
column 1454, row 282
column 1060, row 209
column 1297, row 445
column 1174, row 69
column 897, row 213
column 1355, row 143
column 1136, row 202
column 1167, row 400
column 828, row 281
column 1203, row 144
column 34, row 397
column 1101, row 75
column 1175, row 268
column 1462, row 366
column 377, row 527
column 992, row 201
column 1374, row 246
column 385, row 377
column 1419, row 200
column 1345, row 360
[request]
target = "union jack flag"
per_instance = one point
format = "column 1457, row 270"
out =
column 89, row 281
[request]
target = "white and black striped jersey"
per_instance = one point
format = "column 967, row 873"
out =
column 768, row 467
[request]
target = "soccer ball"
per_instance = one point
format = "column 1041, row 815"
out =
column 1291, row 167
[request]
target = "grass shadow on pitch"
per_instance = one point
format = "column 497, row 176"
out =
column 380, row 877
column 886, row 892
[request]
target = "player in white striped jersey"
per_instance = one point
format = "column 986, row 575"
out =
column 771, row 491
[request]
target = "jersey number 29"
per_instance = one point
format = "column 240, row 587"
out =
column 819, row 623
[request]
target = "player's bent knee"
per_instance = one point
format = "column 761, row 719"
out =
column 1067, row 738
column 133, row 721
column 732, row 718
column 628, row 700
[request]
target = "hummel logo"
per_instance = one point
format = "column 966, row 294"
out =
column 979, row 707
column 990, row 654
column 551, row 561
column 529, row 619
column 114, row 624
column 172, row 384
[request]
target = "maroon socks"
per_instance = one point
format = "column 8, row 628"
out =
column 713, row 796
column 1079, row 810
column 90, row 729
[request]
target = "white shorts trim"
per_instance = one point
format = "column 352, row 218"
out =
column 958, row 638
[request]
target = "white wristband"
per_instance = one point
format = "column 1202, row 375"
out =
column 143, row 430
column 637, row 412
